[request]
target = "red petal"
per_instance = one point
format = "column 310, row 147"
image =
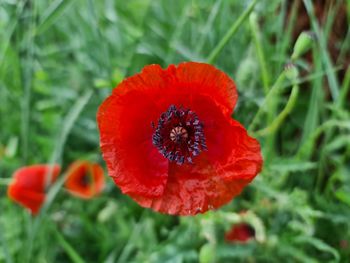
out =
column 189, row 193
column 76, row 175
column 29, row 183
column 233, row 159
column 189, row 79
column 126, row 142
column 30, row 199
column 233, row 153
column 205, row 79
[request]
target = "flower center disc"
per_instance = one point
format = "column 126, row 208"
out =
column 179, row 135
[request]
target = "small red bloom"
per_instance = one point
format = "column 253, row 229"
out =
column 240, row 233
column 169, row 141
column 29, row 185
column 85, row 179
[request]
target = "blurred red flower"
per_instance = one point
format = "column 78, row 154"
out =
column 29, row 185
column 240, row 233
column 169, row 141
column 85, row 179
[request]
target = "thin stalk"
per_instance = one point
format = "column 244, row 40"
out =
column 10, row 30
column 127, row 249
column 332, row 80
column 69, row 122
column 313, row 114
column 329, row 133
column 208, row 26
column 260, row 52
column 310, row 77
column 344, row 89
column 285, row 34
column 68, row 248
column 272, row 92
column 216, row 51
column 4, row 245
column 306, row 149
column 345, row 45
column 277, row 122
column 27, row 78
column 183, row 19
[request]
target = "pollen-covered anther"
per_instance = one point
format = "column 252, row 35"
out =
column 179, row 135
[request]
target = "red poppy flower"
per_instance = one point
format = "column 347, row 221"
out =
column 29, row 185
column 240, row 233
column 169, row 141
column 85, row 179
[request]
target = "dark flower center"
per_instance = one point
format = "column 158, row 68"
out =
column 85, row 179
column 179, row 135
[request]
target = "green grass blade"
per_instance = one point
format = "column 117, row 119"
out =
column 333, row 82
column 51, row 14
column 69, row 121
column 277, row 122
column 265, row 76
column 216, row 51
column 68, row 248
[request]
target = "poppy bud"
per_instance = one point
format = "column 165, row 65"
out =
column 291, row 71
column 29, row 185
column 303, row 44
column 241, row 233
column 85, row 179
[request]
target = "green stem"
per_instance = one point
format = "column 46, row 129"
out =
column 4, row 245
column 344, row 89
column 68, row 248
column 259, row 51
column 306, row 149
column 127, row 249
column 216, row 51
column 27, row 62
column 272, row 92
column 326, row 60
column 69, row 122
column 277, row 122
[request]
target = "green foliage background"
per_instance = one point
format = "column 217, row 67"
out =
column 59, row 59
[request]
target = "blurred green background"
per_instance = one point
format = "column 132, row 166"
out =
column 60, row 58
